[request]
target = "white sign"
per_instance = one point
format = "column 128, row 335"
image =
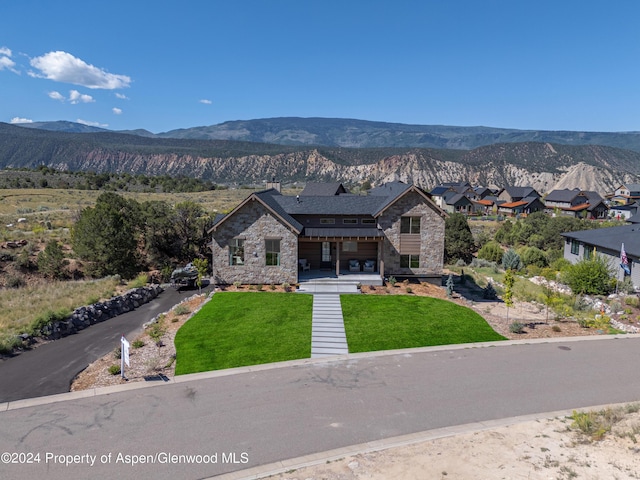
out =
column 125, row 351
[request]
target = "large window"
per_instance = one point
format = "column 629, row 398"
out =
column 236, row 251
column 272, row 248
column 409, row 261
column 410, row 225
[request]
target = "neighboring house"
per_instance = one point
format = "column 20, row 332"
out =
column 608, row 243
column 625, row 194
column 515, row 194
column 443, row 191
column 457, row 203
column 577, row 203
column 268, row 236
column 526, row 206
column 624, row 212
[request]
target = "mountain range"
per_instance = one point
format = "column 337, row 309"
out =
column 350, row 151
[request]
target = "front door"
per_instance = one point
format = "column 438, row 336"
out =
column 325, row 261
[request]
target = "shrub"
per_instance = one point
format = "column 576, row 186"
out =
column 483, row 263
column 137, row 344
column 408, row 289
column 117, row 353
column 272, row 287
column 615, row 306
column 114, row 369
column 181, row 310
column 491, row 252
column 47, row 318
column 461, row 263
column 259, row 287
column 534, row 256
column 237, row 284
column 516, row 327
column 589, row 276
column 140, row 281
column 392, row 281
column 286, row 286
column 556, row 328
column 14, row 281
column 633, row 301
column 511, row 260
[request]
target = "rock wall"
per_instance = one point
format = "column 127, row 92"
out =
column 86, row 316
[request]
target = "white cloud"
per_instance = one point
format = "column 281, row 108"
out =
column 21, row 120
column 76, row 97
column 206, row 102
column 64, row 67
column 56, row 96
column 116, row 111
column 122, row 96
column 5, row 60
column 92, row 124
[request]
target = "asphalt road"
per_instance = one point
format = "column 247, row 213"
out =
column 253, row 418
column 50, row 368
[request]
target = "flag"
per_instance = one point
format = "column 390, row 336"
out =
column 624, row 261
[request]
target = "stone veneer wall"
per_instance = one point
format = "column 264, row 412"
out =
column 254, row 223
column 431, row 230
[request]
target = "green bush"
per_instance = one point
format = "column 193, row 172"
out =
column 137, row 344
column 589, row 276
column 633, row 301
column 114, row 369
column 534, row 256
column 511, row 260
column 181, row 310
column 491, row 252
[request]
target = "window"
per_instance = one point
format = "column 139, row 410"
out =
column 368, row 221
column 327, row 221
column 575, row 247
column 272, row 248
column 589, row 252
column 349, row 221
column 349, row 246
column 236, row 251
column 409, row 261
column 410, row 225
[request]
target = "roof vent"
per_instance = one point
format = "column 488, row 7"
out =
column 298, row 198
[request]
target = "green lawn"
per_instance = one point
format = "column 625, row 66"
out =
column 404, row 321
column 236, row 329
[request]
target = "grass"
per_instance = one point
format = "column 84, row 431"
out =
column 19, row 307
column 393, row 322
column 237, row 329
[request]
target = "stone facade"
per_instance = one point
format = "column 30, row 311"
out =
column 254, row 223
column 431, row 237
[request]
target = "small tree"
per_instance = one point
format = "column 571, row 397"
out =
column 509, row 281
column 458, row 240
column 201, row 264
column 591, row 276
column 449, row 285
column 51, row 261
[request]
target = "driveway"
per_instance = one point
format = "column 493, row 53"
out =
column 50, row 368
column 202, row 425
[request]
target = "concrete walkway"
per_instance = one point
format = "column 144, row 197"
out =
column 327, row 329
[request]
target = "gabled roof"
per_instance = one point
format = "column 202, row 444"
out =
column 322, row 189
column 439, row 190
column 267, row 198
column 404, row 191
column 334, row 205
column 457, row 198
column 484, row 202
column 389, row 189
column 520, row 192
column 632, row 187
column 564, row 195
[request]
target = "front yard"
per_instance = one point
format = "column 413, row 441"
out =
column 402, row 321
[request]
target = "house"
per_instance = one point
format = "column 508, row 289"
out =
column 623, row 212
column 577, row 203
column 454, row 202
column 394, row 230
column 625, row 194
column 440, row 193
column 526, row 206
column 608, row 243
column 516, row 194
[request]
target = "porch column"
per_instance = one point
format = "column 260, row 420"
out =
column 337, row 258
column 380, row 258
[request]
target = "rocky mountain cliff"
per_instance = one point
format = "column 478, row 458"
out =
column 544, row 166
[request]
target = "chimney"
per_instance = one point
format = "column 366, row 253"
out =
column 273, row 184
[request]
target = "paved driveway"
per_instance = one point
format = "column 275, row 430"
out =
column 209, row 424
column 50, row 368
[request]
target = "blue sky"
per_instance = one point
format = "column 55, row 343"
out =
column 162, row 65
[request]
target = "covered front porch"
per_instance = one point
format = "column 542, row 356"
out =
column 353, row 255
